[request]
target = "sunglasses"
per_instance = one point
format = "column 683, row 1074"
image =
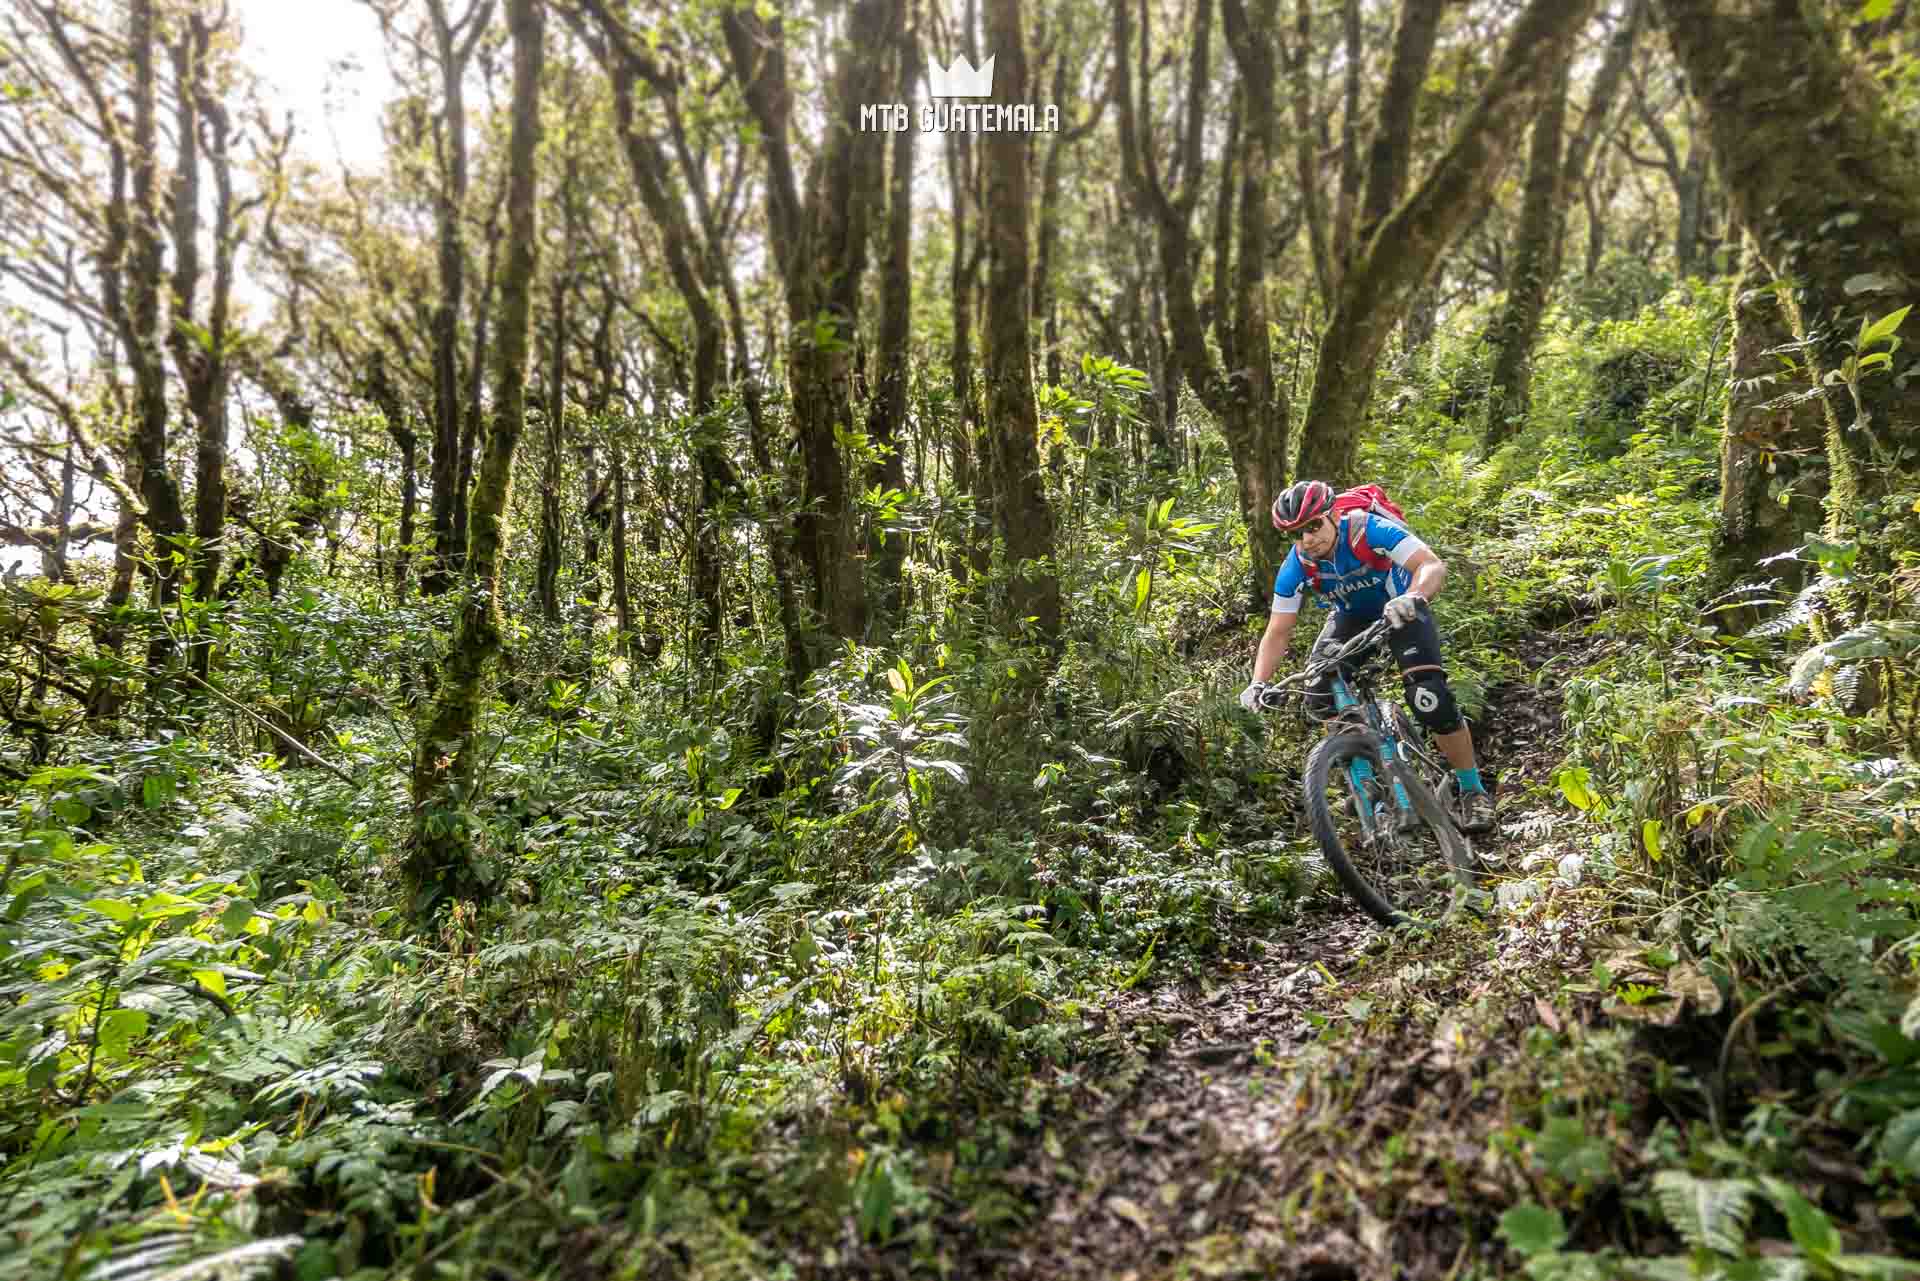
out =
column 1301, row 535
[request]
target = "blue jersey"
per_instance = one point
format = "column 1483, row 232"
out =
column 1348, row 584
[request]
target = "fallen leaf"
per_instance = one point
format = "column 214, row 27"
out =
column 1546, row 1013
column 1689, row 982
column 1122, row 1207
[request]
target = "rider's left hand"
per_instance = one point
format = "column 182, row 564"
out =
column 1403, row 609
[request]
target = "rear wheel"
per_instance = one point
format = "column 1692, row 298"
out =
column 1418, row 869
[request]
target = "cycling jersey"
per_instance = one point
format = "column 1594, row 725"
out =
column 1349, row 585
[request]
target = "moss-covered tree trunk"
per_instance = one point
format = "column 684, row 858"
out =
column 454, row 43
column 135, row 225
column 817, row 225
column 394, row 411
column 1769, row 450
column 1238, row 388
column 1256, row 413
column 1396, row 261
column 1013, row 420
column 1511, row 387
column 439, row 863
column 1828, row 182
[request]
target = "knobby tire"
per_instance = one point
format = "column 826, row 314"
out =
column 1445, row 849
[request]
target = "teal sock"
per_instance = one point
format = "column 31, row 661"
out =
column 1469, row 780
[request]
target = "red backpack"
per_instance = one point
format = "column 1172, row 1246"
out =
column 1372, row 501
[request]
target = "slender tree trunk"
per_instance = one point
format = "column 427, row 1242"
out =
column 1024, row 519
column 1509, row 391
column 439, row 864
column 887, row 413
column 201, row 357
column 105, row 691
column 820, row 246
column 1348, row 194
column 474, row 415
column 1395, row 264
column 547, row 576
column 1390, row 154
column 1239, row 391
column 969, row 471
column 1593, row 121
column 1766, row 450
column 1690, row 192
column 455, row 44
column 139, row 326
column 622, row 599
column 1256, row 415
column 393, row 410
column 1306, row 167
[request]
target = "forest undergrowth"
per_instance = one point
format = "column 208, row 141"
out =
column 991, row 967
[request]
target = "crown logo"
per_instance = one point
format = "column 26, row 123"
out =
column 961, row 80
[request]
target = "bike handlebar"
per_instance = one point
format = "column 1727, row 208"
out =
column 1316, row 668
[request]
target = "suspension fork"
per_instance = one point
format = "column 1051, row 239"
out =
column 1360, row 769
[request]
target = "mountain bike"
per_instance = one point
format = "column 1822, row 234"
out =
column 1374, row 789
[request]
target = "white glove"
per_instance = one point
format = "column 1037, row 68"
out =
column 1250, row 696
column 1403, row 609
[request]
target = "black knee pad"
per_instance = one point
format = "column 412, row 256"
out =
column 1432, row 702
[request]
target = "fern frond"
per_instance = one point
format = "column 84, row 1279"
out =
column 1846, row 684
column 1799, row 611
column 255, row 1258
column 1710, row 1214
column 149, row 1260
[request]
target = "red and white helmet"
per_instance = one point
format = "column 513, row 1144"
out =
column 1302, row 503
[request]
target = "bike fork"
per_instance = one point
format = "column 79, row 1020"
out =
column 1383, row 815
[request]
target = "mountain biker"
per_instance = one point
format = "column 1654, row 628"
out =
column 1365, row 566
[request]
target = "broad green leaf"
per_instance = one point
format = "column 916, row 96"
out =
column 1570, row 1154
column 234, row 920
column 115, row 910
column 1807, row 1223
column 1874, row 10
column 118, row 1030
column 1533, row 1229
column 1900, row 1144
column 1650, row 835
column 212, row 980
column 1881, row 328
column 1142, row 584
column 1574, row 786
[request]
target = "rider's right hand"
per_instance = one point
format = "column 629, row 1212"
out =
column 1250, row 696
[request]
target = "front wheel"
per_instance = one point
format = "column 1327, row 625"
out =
column 1399, row 868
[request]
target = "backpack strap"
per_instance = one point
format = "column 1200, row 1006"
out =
column 1357, row 540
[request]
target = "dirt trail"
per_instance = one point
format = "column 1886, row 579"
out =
column 1231, row 1135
